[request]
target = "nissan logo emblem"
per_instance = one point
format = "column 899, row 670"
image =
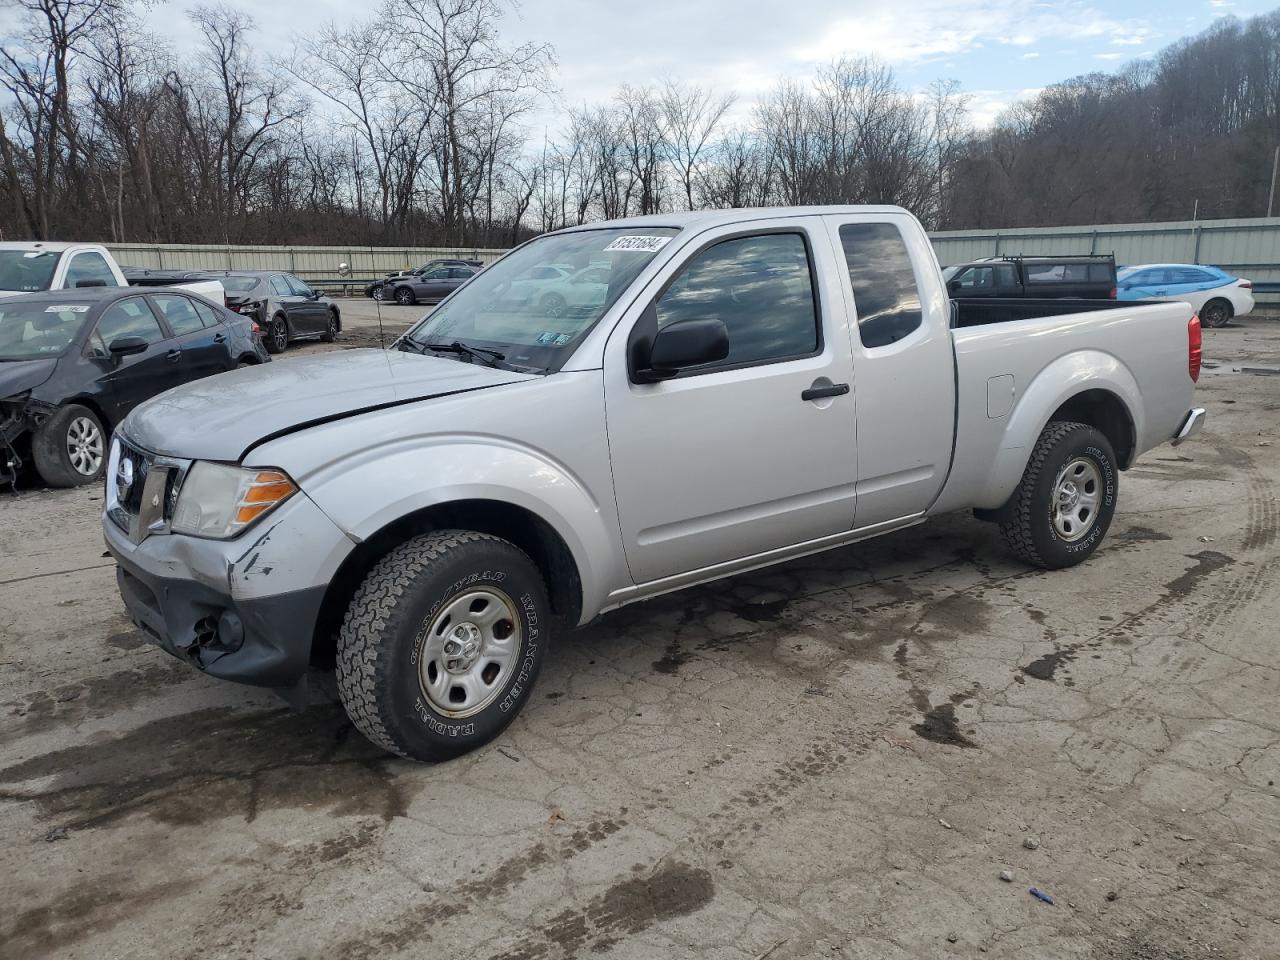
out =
column 124, row 477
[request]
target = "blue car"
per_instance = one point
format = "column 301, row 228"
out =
column 1214, row 294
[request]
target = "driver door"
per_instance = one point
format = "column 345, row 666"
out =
column 131, row 380
column 735, row 459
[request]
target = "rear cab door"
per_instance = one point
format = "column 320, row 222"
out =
column 903, row 363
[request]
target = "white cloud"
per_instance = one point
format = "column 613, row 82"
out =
column 1030, row 56
column 986, row 105
column 1108, row 56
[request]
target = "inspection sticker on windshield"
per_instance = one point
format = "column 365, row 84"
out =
column 68, row 308
column 639, row 244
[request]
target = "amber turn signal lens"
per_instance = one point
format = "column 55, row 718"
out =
column 266, row 489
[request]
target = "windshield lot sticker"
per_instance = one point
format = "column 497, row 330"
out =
column 67, row 308
column 639, row 244
column 549, row 338
column 561, row 340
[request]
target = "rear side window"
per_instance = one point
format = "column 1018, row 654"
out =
column 1006, row 275
column 125, row 318
column 885, row 292
column 179, row 313
column 1046, row 273
column 761, row 288
column 208, row 316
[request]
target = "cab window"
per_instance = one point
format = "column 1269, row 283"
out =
column 280, row 287
column 760, row 287
column 885, row 293
column 89, row 268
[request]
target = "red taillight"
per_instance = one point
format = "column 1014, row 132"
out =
column 1194, row 353
column 1245, row 285
column 1113, row 293
column 256, row 328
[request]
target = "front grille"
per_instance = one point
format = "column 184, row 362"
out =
column 141, row 490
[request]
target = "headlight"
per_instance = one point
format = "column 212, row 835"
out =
column 220, row 501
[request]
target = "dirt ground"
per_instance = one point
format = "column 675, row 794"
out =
column 836, row 757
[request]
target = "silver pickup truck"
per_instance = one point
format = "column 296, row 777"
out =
column 746, row 387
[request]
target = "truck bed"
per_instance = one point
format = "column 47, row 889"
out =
column 976, row 313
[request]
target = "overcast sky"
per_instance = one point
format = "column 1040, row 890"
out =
column 999, row 50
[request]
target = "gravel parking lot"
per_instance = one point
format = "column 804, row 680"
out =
column 836, row 757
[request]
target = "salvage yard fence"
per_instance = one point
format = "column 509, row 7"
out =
column 316, row 265
column 1249, row 248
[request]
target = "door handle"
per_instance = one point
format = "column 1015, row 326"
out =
column 219, row 338
column 829, row 390
column 174, row 355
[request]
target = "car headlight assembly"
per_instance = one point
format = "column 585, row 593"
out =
column 219, row 501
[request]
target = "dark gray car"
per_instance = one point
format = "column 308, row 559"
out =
column 285, row 308
column 431, row 287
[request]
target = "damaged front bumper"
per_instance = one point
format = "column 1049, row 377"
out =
column 244, row 609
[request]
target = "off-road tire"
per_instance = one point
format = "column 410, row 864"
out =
column 385, row 625
column 330, row 328
column 273, row 341
column 1216, row 313
column 1026, row 520
column 50, row 453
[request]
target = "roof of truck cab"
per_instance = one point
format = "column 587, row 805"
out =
column 47, row 246
column 713, row 218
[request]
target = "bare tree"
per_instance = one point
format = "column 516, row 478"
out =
column 690, row 115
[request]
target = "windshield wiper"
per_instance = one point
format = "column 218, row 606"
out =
column 491, row 357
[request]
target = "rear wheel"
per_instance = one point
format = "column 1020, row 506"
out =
column 442, row 643
column 1215, row 313
column 377, row 292
column 69, row 449
column 1063, row 507
column 277, row 338
column 331, row 328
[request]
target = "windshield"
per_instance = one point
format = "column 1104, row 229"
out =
column 32, row 330
column 239, row 284
column 26, row 270
column 536, row 317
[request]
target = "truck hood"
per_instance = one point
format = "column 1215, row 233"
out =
column 19, row 375
column 222, row 417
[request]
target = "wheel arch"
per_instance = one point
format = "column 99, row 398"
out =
column 1087, row 386
column 516, row 524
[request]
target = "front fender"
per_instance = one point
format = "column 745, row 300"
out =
column 1064, row 378
column 368, row 491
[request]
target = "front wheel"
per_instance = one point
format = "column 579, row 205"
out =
column 330, row 328
column 1062, row 508
column 69, row 449
column 442, row 643
column 404, row 296
column 1215, row 313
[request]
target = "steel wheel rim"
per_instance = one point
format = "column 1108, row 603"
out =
column 468, row 652
column 1077, row 491
column 280, row 334
column 84, row 446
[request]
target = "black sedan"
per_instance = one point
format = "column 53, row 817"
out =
column 73, row 363
column 430, row 287
column 285, row 307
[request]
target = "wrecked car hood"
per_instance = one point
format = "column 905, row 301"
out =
column 221, row 417
column 19, row 375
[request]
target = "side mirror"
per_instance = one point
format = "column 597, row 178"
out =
column 686, row 343
column 953, row 286
column 126, row 347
